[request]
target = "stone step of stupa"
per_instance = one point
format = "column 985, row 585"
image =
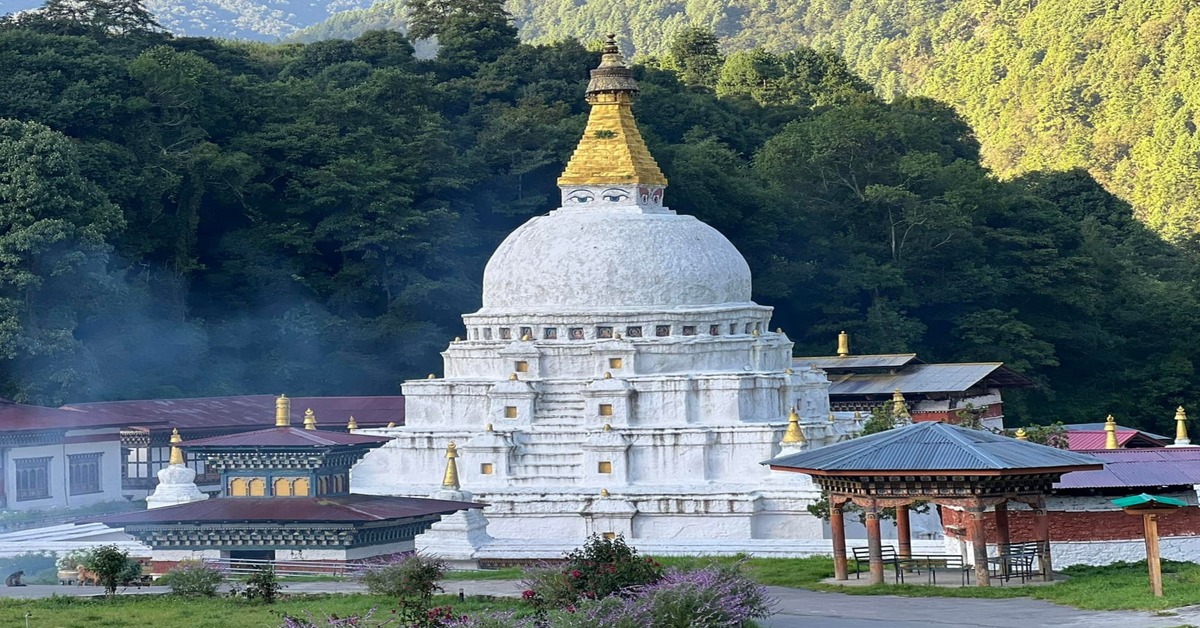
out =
column 523, row 479
column 546, row 457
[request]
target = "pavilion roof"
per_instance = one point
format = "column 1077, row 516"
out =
column 331, row 509
column 934, row 448
column 285, row 437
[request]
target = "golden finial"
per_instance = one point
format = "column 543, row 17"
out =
column 310, row 420
column 351, row 425
column 283, row 411
column 488, row 427
column 450, row 480
column 512, row 377
column 832, row 419
column 604, row 492
column 843, row 344
column 755, row 332
column 1110, row 433
column 779, row 330
column 899, row 407
column 430, row 376
column 617, row 336
column 527, row 338
column 176, row 452
column 1181, row 435
column 1021, row 435
column 391, row 424
column 607, row 375
column 612, row 150
column 607, row 427
column 458, row 339
column 794, row 434
column 788, row 370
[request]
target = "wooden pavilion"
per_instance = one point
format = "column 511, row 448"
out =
column 939, row 463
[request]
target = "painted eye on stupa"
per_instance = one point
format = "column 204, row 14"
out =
column 580, row 196
column 614, row 195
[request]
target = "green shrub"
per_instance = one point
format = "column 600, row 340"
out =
column 192, row 578
column 598, row 569
column 112, row 567
column 408, row 578
column 261, row 585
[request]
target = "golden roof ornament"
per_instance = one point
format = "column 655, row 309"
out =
column 283, row 411
column 789, row 370
column 527, row 338
column 794, row 434
column 832, row 419
column 512, row 377
column 612, row 150
column 176, row 452
column 351, row 425
column 310, row 420
column 488, row 428
column 604, row 492
column 450, row 480
column 1021, row 435
column 607, row 427
column 1110, row 433
column 391, row 424
column 1181, row 435
column 899, row 406
column 843, row 349
column 607, row 375
column 430, row 376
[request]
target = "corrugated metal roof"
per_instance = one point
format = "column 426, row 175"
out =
column 18, row 417
column 918, row 378
column 835, row 362
column 1088, row 427
column 246, row 411
column 338, row 509
column 1129, row 468
column 1082, row 440
column 285, row 437
column 932, row 447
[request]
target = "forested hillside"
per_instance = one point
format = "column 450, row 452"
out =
column 1113, row 87
column 186, row 216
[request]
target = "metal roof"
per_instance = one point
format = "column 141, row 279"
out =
column 1082, row 440
column 1130, row 468
column 835, row 362
column 337, row 509
column 292, row 437
column 933, row 447
column 18, row 417
column 1143, row 499
column 245, row 411
column 926, row 378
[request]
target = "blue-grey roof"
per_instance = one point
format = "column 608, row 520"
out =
column 835, row 362
column 930, row 447
column 925, row 378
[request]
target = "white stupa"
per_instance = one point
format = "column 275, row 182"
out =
column 176, row 481
column 618, row 378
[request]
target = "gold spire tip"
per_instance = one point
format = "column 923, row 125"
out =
column 1181, row 434
column 512, row 377
column 283, row 411
column 176, row 452
column 310, row 420
column 351, row 425
column 1110, row 433
column 391, row 424
column 843, row 347
column 450, row 479
column 1021, row 435
column 607, row 375
column 604, row 492
column 794, row 434
column 488, row 427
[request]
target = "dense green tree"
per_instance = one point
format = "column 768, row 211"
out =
column 696, row 54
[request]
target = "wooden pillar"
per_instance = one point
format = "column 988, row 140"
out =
column 979, row 544
column 874, row 544
column 837, row 524
column 1002, row 532
column 1150, row 523
column 1042, row 526
column 903, row 532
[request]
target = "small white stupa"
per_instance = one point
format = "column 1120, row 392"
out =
column 457, row 538
column 176, row 481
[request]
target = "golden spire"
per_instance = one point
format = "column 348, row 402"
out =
column 283, row 411
column 488, row 428
column 431, row 376
column 612, row 149
column 310, row 420
column 604, row 492
column 527, row 338
column 351, row 425
column 512, row 377
column 607, row 375
column 794, row 434
column 832, row 419
column 843, row 345
column 391, row 424
column 1021, row 435
column 899, row 407
column 1110, row 433
column 1181, row 435
column 176, row 452
column 450, row 480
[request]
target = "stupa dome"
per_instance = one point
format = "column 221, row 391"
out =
column 614, row 260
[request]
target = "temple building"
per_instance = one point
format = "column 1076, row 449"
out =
column 618, row 378
column 285, row 496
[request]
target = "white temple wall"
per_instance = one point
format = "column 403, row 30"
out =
column 669, row 457
column 445, row 403
column 734, row 455
column 663, row 401
column 705, row 525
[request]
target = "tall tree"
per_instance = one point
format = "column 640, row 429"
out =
column 696, row 54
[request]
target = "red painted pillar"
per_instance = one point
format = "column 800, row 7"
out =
column 1042, row 525
column 903, row 532
column 979, row 545
column 875, row 545
column 837, row 523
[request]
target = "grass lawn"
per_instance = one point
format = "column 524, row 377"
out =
column 164, row 611
column 1122, row 586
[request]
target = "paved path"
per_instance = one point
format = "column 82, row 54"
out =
column 800, row 608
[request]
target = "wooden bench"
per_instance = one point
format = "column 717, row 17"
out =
column 1014, row 560
column 932, row 562
column 888, row 553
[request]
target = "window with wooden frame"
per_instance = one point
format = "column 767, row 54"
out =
column 83, row 473
column 33, row 478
